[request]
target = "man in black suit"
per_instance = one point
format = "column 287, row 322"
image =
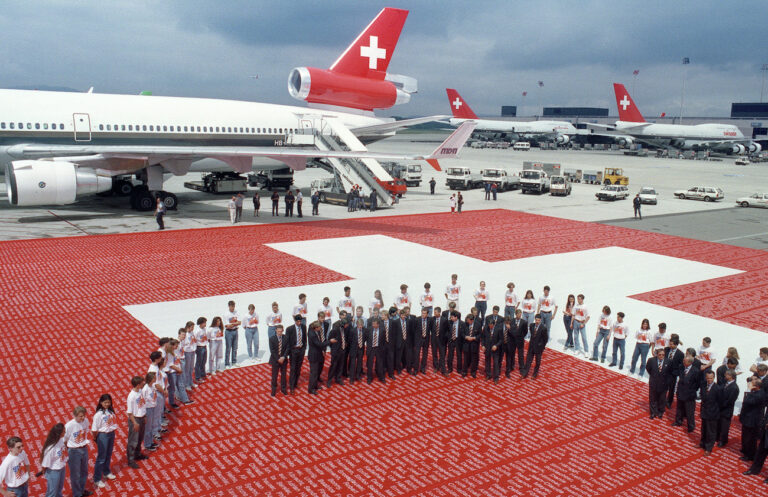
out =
column 402, row 333
column 731, row 363
column 729, row 395
column 389, row 329
column 752, row 408
column 357, row 349
column 658, row 371
column 473, row 331
column 339, row 347
column 325, row 328
column 374, row 350
column 438, row 346
column 518, row 328
column 422, row 337
column 675, row 358
column 687, row 386
column 762, row 448
column 493, row 344
column 536, row 345
column 278, row 358
column 453, row 342
column 317, row 346
column 297, row 339
column 711, row 395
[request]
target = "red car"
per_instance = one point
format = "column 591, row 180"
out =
column 396, row 186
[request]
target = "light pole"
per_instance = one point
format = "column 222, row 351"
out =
column 634, row 79
column 764, row 69
column 686, row 61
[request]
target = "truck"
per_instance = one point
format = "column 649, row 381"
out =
column 462, row 178
column 592, row 177
column 411, row 174
column 534, row 180
column 614, row 176
column 551, row 168
column 219, row 182
column 271, row 179
column 559, row 185
column 521, row 146
column 501, row 177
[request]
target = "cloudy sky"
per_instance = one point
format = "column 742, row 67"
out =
column 490, row 51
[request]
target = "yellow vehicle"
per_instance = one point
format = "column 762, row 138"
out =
column 614, row 176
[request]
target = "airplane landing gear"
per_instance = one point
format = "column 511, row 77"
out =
column 144, row 200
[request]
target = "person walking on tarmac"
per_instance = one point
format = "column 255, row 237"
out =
column 432, row 184
column 289, row 200
column 159, row 213
column 275, row 204
column 636, row 204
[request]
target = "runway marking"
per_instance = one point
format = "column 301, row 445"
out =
column 69, row 223
column 739, row 237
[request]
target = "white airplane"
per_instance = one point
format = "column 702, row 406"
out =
column 58, row 146
column 723, row 138
column 560, row 131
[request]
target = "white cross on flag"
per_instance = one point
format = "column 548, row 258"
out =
column 624, row 103
column 457, row 103
column 373, row 52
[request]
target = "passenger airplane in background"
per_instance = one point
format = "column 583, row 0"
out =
column 58, row 146
column 559, row 131
column 723, row 138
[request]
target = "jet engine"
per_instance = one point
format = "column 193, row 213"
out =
column 46, row 182
column 755, row 148
column 738, row 149
column 562, row 139
column 625, row 141
column 322, row 86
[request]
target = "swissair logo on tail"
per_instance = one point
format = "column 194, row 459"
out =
column 457, row 103
column 624, row 103
column 373, row 52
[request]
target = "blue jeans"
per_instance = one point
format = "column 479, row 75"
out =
column 78, row 469
column 482, row 307
column 171, row 389
column 252, row 341
column 641, row 352
column 149, row 429
column 509, row 312
column 22, row 491
column 55, row 478
column 105, row 443
column 580, row 330
column 178, row 384
column 569, row 332
column 200, row 357
column 230, row 347
column 546, row 319
column 270, row 331
column 618, row 343
column 602, row 336
column 528, row 317
column 188, row 368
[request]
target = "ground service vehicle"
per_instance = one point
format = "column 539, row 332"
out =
column 612, row 192
column 522, row 146
column 532, row 180
column 705, row 193
column 754, row 200
column 503, row 180
column 219, row 182
column 559, row 185
column 272, row 178
column 614, row 176
column 648, row 195
column 462, row 178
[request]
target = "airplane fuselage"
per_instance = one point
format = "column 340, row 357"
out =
column 520, row 127
column 704, row 132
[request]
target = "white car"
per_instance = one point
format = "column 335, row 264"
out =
column 612, row 192
column 648, row 195
column 754, row 200
column 705, row 193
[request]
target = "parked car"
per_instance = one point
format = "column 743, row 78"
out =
column 705, row 193
column 559, row 185
column 612, row 192
column 754, row 200
column 648, row 195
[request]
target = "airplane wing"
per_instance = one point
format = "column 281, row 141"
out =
column 395, row 125
column 127, row 158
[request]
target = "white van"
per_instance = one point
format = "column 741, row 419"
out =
column 522, row 146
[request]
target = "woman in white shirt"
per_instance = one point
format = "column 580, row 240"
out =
column 511, row 302
column 53, row 460
column 251, row 325
column 103, row 427
column 215, row 341
column 567, row 321
column 732, row 352
column 377, row 302
column 529, row 307
column 642, row 345
column 481, row 300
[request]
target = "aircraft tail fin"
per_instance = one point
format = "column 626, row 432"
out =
column 628, row 111
column 459, row 106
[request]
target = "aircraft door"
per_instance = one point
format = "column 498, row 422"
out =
column 82, row 127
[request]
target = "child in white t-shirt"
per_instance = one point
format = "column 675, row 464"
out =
column 53, row 460
column 14, row 470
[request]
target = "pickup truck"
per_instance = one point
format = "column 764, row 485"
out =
column 462, row 178
column 503, row 180
column 532, row 180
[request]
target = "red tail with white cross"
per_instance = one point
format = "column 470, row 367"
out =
column 628, row 111
column 459, row 107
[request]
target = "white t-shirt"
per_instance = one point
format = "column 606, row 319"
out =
column 529, row 305
column 605, row 323
column 643, row 336
column 760, row 361
column 427, row 299
column 620, row 330
column 328, row 310
column 453, row 292
column 215, row 334
column 136, row 404
column 76, row 434
column 274, row 318
column 347, row 304
column 149, row 396
column 547, row 303
column 300, row 309
column 481, row 295
column 55, row 456
column 160, row 376
column 705, row 354
column 231, row 317
column 13, row 471
column 402, row 301
column 189, row 344
column 104, row 421
column 660, row 340
column 251, row 320
column 375, row 304
column 580, row 313
column 201, row 336
column 510, row 299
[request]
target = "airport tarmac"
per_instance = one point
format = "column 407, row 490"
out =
column 101, row 215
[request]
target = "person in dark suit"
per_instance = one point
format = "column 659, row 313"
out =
column 518, row 328
column 388, row 327
column 536, row 345
column 278, row 358
column 731, row 363
column 729, row 395
column 317, row 346
column 453, row 342
column 711, row 395
column 687, row 386
column 423, row 336
column 658, row 371
column 339, row 345
column 325, row 328
column 473, row 331
column 762, row 448
column 374, row 350
column 357, row 350
column 752, row 408
column 402, row 351
column 297, row 340
column 675, row 358
column 492, row 344
column 438, row 346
